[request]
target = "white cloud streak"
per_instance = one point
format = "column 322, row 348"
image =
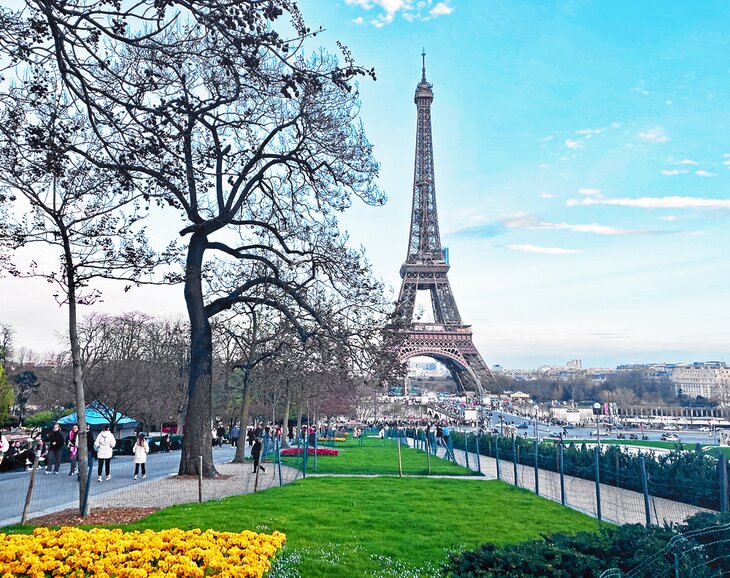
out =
column 672, row 172
column 589, row 192
column 410, row 10
column 675, row 202
column 542, row 250
column 703, row 173
column 655, row 135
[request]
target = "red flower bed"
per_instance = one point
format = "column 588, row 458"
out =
column 310, row 451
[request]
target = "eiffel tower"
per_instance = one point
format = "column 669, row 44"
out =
column 447, row 339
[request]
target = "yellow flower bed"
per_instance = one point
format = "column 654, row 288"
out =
column 332, row 439
column 106, row 553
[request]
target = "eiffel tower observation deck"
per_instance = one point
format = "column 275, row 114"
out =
column 447, row 339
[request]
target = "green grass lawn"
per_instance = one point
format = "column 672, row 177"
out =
column 355, row 527
column 378, row 457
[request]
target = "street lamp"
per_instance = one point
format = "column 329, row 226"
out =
column 535, row 410
column 597, row 413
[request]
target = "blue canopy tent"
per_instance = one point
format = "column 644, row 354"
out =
column 96, row 417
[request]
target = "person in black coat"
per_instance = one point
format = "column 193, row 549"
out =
column 55, row 447
column 256, row 455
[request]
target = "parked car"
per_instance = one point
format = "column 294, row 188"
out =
column 523, row 425
column 633, row 437
column 704, row 428
column 668, row 437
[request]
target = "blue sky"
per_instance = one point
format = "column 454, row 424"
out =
column 582, row 168
column 582, row 154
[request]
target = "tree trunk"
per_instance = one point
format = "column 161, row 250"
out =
column 245, row 406
column 198, row 440
column 78, row 373
column 285, row 424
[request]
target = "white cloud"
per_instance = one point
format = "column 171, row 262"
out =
column 687, row 162
column 590, row 131
column 594, row 228
column 410, row 10
column 441, row 9
column 703, row 173
column 527, row 221
column 669, row 218
column 589, row 192
column 654, row 135
column 542, row 250
column 572, row 144
column 546, row 195
column 672, row 172
column 726, row 162
column 656, row 202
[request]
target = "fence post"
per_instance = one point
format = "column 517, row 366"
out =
column 479, row 459
column 428, row 454
column 561, row 459
column 645, row 488
column 278, row 462
column 29, row 495
column 598, row 482
column 466, row 448
column 200, row 479
column 537, row 470
column 87, row 491
column 305, row 456
column 722, row 464
column 316, row 435
column 514, row 458
column 496, row 456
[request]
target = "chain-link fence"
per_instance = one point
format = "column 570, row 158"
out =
column 620, row 484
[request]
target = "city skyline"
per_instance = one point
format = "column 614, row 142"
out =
column 581, row 174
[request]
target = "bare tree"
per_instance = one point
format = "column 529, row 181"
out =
column 225, row 119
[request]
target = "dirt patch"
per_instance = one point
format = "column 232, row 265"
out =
column 98, row 516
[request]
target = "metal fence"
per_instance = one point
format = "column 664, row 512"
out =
column 623, row 485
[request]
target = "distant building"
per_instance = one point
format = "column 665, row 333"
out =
column 574, row 364
column 708, row 379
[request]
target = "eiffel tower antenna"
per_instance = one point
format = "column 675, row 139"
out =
column 447, row 339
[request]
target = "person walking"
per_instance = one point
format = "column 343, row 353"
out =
column 4, row 447
column 256, row 455
column 140, row 450
column 104, row 446
column 220, row 432
column 73, row 448
column 235, row 431
column 55, row 448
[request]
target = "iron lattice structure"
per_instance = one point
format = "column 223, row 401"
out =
column 447, row 339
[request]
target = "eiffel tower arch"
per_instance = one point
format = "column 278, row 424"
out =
column 447, row 339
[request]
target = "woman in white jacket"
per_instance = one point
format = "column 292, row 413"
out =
column 140, row 449
column 104, row 446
